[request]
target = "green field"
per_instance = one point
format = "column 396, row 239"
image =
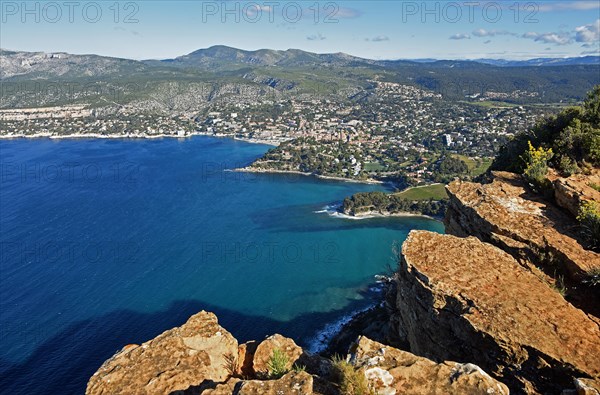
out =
column 492, row 104
column 373, row 166
column 435, row 192
column 476, row 166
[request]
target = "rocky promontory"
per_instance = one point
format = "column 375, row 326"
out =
column 500, row 303
column 200, row 357
column 462, row 299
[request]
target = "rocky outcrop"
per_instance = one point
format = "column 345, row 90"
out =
column 391, row 371
column 293, row 383
column 506, row 214
column 484, row 295
column 465, row 300
column 200, row 357
column 246, row 352
column 266, row 349
column 571, row 191
column 200, row 351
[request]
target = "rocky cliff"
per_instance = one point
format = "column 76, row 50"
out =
column 200, row 357
column 462, row 299
column 503, row 294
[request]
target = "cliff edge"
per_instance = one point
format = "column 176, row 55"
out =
column 501, row 303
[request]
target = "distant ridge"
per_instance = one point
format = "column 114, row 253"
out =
column 220, row 70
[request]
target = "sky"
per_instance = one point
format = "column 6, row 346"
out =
column 370, row 29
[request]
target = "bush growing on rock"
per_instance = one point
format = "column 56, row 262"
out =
column 589, row 218
column 536, row 168
column 350, row 380
column 278, row 364
column 573, row 135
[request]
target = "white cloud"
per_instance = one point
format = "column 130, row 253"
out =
column 316, row 37
column 378, row 39
column 460, row 36
column 559, row 38
column 588, row 33
column 492, row 33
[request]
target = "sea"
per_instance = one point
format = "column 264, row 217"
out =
column 108, row 242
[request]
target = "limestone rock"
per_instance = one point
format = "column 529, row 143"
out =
column 393, row 372
column 464, row 300
column 179, row 358
column 587, row 387
column 571, row 191
column 245, row 356
column 293, row 383
column 265, row 350
column 507, row 215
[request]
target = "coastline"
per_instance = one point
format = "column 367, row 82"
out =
column 342, row 330
column 332, row 178
column 132, row 136
column 379, row 214
column 95, row 136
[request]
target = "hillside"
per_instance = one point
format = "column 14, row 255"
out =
column 272, row 74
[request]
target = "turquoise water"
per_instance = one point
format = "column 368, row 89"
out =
column 110, row 242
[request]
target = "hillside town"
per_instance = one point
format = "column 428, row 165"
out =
column 386, row 131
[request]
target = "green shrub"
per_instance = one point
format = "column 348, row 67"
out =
column 559, row 286
column 589, row 218
column 536, row 168
column 278, row 364
column 568, row 166
column 350, row 380
column 573, row 134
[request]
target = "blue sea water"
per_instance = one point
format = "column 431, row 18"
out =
column 109, row 242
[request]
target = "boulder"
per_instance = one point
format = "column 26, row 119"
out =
column 198, row 351
column 464, row 300
column 264, row 352
column 393, row 372
column 570, row 192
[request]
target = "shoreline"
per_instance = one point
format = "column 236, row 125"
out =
column 334, row 331
column 378, row 214
column 132, row 137
column 77, row 136
column 331, row 178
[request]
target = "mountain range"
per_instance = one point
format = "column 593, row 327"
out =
column 222, row 70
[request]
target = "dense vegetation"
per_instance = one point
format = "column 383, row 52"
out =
column 390, row 203
column 570, row 143
column 452, row 165
column 573, row 136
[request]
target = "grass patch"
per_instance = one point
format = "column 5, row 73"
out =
column 476, row 166
column 277, row 365
column 435, row 192
column 493, row 104
column 350, row 380
column 373, row 166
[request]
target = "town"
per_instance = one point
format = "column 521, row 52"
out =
column 391, row 131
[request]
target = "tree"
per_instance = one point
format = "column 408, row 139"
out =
column 573, row 135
